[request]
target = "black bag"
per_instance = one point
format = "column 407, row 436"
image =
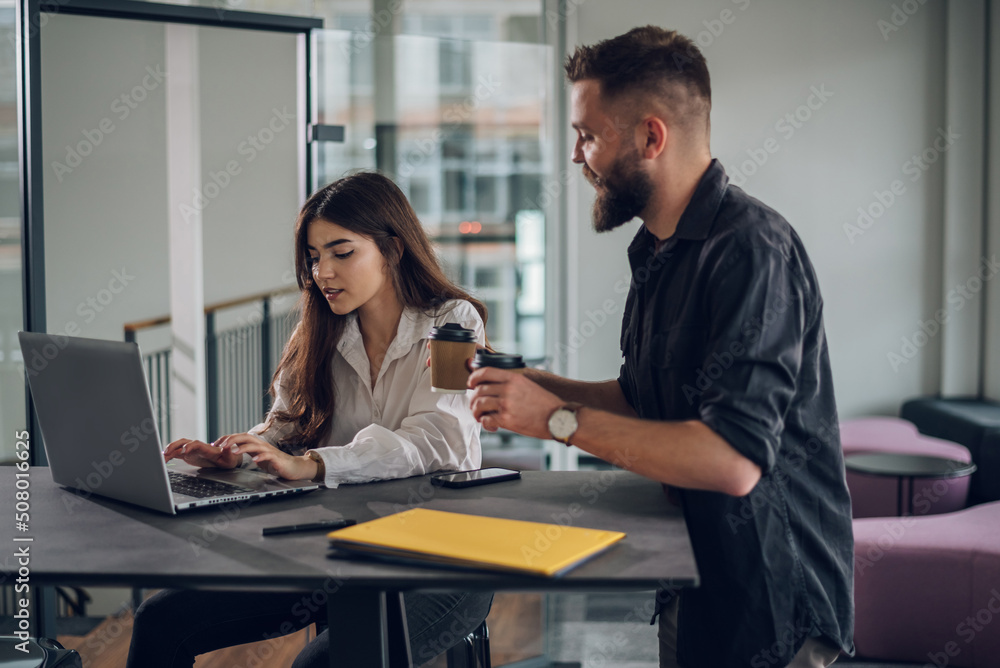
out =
column 42, row 653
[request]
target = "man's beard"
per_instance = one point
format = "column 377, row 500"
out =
column 622, row 194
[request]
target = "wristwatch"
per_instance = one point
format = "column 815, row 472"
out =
column 563, row 423
column 320, row 466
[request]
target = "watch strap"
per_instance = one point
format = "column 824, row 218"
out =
column 320, row 466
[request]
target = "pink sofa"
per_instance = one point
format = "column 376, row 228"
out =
column 927, row 589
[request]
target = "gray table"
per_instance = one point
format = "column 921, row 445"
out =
column 103, row 542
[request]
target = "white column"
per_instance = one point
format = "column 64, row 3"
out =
column 962, row 246
column 187, row 299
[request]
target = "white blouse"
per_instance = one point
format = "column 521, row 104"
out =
column 399, row 428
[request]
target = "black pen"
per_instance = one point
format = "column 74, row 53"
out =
column 312, row 526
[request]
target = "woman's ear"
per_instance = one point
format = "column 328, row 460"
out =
column 399, row 247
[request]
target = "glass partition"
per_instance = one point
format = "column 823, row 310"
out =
column 152, row 197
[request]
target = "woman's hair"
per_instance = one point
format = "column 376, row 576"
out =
column 371, row 205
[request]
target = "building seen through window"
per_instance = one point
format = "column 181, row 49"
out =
column 459, row 116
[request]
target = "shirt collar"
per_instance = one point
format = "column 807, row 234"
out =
column 414, row 325
column 696, row 221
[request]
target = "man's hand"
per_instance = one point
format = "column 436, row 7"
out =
column 507, row 399
column 269, row 458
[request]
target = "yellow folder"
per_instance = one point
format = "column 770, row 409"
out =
column 472, row 541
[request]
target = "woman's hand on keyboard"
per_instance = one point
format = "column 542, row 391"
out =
column 199, row 453
column 269, row 458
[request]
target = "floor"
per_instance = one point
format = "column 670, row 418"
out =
column 583, row 631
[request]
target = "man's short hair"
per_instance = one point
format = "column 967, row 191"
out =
column 649, row 63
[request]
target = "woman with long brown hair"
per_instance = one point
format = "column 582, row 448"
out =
column 352, row 403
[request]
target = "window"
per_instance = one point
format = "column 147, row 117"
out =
column 12, row 408
column 460, row 119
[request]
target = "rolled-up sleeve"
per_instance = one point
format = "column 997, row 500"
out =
column 439, row 433
column 754, row 351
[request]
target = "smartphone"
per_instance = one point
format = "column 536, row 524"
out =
column 473, row 478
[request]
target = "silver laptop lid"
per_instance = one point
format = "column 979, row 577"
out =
column 96, row 417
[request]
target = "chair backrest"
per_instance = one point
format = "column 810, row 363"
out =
column 473, row 651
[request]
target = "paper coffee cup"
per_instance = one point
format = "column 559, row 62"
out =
column 503, row 361
column 451, row 346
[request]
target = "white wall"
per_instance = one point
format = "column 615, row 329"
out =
column 109, row 212
column 885, row 102
column 248, row 228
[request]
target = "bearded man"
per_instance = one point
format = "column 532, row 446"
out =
column 725, row 392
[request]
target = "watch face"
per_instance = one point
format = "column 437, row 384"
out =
column 562, row 424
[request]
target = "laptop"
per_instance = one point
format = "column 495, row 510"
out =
column 100, row 437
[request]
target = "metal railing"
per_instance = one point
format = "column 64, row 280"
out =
column 239, row 364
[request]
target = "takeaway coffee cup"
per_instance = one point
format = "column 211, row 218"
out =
column 485, row 359
column 451, row 346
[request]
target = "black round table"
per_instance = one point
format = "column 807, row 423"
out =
column 900, row 465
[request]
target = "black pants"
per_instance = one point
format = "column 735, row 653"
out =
column 172, row 627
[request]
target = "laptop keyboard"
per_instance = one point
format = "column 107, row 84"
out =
column 201, row 488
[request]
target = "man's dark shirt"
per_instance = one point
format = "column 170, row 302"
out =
column 724, row 325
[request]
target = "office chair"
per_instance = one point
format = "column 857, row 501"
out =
column 473, row 651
